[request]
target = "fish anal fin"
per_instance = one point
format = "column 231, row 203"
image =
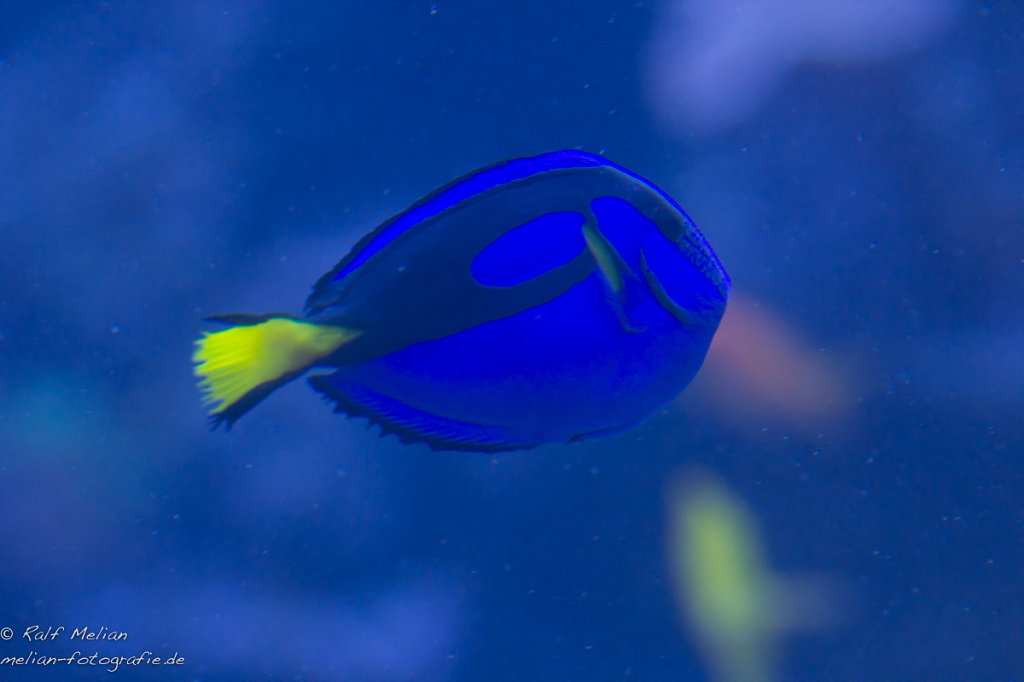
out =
column 411, row 424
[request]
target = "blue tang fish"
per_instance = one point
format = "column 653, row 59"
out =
column 552, row 298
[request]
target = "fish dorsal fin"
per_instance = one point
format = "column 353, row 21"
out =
column 484, row 180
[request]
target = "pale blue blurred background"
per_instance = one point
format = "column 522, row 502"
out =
column 858, row 168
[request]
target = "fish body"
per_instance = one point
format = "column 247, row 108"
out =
column 550, row 298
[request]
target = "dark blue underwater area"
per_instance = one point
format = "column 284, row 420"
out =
column 858, row 168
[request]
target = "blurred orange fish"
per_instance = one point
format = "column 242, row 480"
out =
column 758, row 368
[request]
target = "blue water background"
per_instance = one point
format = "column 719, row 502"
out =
column 164, row 161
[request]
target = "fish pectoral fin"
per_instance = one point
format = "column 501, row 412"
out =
column 608, row 259
column 622, row 282
column 240, row 366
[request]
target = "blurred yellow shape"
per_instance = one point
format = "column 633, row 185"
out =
column 735, row 605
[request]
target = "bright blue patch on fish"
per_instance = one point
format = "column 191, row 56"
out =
column 488, row 322
column 530, row 250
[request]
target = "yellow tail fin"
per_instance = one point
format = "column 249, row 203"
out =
column 240, row 366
